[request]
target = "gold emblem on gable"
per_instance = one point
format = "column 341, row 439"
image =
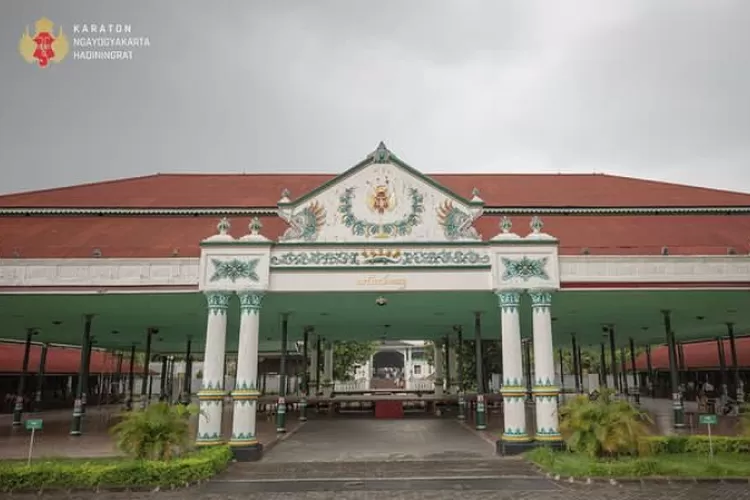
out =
column 381, row 199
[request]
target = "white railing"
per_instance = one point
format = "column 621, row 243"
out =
column 352, row 386
column 420, row 384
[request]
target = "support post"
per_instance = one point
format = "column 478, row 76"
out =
column 77, row 413
column 306, row 376
column 146, row 375
column 545, row 390
column 677, row 406
column 439, row 372
column 514, row 439
column 21, row 394
column 481, row 416
column 316, row 362
column 328, row 369
column 163, row 379
column 448, row 366
column 460, row 372
column 576, row 366
column 187, row 382
column 603, row 361
column 40, row 378
column 87, row 375
column 624, row 368
column 738, row 385
column 244, row 443
column 281, row 408
column 562, row 371
column 131, row 379
column 649, row 373
column 212, row 394
column 722, row 368
column 636, row 382
column 613, row 352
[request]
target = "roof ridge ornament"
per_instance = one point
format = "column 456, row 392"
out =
column 254, row 226
column 382, row 154
column 223, row 231
column 475, row 198
column 285, row 196
column 536, row 226
column 506, row 225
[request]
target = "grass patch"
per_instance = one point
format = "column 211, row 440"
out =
column 113, row 472
column 666, row 465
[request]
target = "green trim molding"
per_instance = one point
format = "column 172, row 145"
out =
column 381, row 257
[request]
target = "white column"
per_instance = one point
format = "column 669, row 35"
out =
column 513, row 388
column 453, row 363
column 328, row 369
column 211, row 396
column 545, row 388
column 439, row 367
column 313, row 367
column 246, row 393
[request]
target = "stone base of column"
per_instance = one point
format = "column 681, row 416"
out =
column 511, row 448
column 247, row 452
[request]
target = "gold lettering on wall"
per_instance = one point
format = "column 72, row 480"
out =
column 382, row 281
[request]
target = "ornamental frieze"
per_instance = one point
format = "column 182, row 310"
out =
column 381, row 257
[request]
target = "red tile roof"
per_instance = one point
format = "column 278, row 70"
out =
column 61, row 237
column 703, row 355
column 60, row 360
column 264, row 190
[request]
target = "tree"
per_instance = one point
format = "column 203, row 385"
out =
column 348, row 354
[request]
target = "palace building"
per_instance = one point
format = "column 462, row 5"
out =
column 243, row 263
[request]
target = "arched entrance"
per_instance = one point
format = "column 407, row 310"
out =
column 388, row 370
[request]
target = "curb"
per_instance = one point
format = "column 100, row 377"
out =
column 483, row 435
column 281, row 438
column 644, row 481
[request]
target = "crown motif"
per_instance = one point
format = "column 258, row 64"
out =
column 43, row 25
column 381, row 253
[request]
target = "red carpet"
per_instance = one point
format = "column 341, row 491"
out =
column 389, row 409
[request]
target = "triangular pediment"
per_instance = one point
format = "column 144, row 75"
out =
column 380, row 199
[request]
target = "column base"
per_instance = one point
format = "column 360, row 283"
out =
column 511, row 448
column 247, row 452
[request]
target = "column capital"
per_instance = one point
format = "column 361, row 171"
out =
column 250, row 301
column 541, row 297
column 508, row 300
column 218, row 301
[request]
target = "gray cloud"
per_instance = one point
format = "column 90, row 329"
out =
column 639, row 88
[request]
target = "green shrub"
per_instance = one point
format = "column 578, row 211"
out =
column 50, row 474
column 155, row 433
column 606, row 426
column 660, row 445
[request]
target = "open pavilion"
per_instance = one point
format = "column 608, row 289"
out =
column 217, row 264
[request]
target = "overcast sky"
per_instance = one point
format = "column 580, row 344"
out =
column 656, row 89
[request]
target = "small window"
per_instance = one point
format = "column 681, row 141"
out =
column 418, row 370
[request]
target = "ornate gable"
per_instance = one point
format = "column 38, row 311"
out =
column 380, row 199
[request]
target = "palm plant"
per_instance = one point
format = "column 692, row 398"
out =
column 155, row 433
column 606, row 426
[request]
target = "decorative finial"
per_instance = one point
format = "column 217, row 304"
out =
column 381, row 154
column 505, row 224
column 285, row 193
column 475, row 192
column 223, row 226
column 255, row 226
column 536, row 224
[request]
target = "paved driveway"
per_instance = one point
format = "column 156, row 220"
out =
column 367, row 440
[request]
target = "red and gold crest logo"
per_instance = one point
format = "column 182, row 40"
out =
column 43, row 47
